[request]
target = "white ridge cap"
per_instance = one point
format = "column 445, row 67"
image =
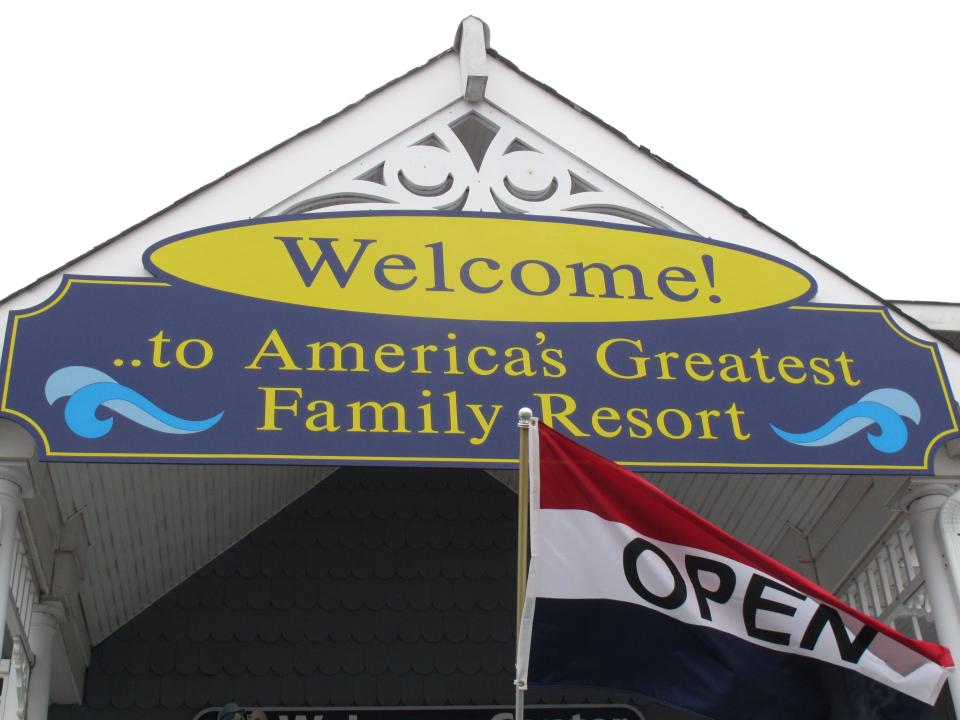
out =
column 471, row 43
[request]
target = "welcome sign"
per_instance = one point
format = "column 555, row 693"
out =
column 413, row 338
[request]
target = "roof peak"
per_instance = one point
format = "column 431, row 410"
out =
column 467, row 27
column 471, row 43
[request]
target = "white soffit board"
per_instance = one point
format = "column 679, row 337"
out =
column 153, row 526
column 757, row 509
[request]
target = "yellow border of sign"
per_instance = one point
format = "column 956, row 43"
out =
column 70, row 282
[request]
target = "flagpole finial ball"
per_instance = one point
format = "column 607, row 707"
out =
column 524, row 417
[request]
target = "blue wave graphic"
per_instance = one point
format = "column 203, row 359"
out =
column 89, row 389
column 886, row 408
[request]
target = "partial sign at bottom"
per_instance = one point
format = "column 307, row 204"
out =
column 473, row 712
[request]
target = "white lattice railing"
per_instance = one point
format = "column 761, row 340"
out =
column 889, row 585
column 17, row 659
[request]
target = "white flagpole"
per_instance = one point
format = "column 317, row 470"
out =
column 525, row 416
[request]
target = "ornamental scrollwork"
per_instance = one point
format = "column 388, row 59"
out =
column 475, row 160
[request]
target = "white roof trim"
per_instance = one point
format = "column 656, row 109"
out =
column 936, row 316
column 473, row 39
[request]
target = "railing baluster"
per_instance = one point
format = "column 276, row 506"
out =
column 862, row 592
column 893, row 549
column 878, row 607
column 883, row 562
column 889, row 585
column 906, row 546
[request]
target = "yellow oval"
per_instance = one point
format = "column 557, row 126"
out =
column 479, row 267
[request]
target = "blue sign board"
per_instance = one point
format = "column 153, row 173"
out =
column 259, row 342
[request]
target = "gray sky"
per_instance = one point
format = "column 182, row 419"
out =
column 837, row 123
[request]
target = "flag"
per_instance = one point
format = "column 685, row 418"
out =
column 630, row 590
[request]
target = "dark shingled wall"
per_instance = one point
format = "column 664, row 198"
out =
column 379, row 587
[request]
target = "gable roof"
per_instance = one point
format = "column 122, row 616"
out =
column 416, row 94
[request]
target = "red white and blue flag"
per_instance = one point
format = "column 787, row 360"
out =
column 628, row 589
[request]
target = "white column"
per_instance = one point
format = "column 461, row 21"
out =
column 44, row 627
column 10, row 495
column 923, row 504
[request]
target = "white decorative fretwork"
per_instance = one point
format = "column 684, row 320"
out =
column 475, row 158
